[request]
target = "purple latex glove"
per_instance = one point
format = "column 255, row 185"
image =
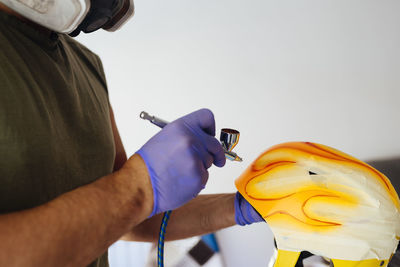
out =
column 244, row 212
column 177, row 159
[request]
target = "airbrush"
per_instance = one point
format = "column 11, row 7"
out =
column 229, row 137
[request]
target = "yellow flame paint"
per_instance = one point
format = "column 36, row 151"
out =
column 318, row 194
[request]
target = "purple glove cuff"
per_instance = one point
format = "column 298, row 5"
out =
column 244, row 212
column 153, row 181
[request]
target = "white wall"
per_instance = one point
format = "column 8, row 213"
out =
column 322, row 71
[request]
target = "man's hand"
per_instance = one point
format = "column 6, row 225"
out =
column 178, row 157
column 244, row 212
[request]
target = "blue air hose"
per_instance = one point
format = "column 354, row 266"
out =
column 161, row 238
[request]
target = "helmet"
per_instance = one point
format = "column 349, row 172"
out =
column 73, row 16
column 318, row 199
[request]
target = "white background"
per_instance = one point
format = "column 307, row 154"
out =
column 321, row 71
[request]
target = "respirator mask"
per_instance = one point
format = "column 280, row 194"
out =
column 74, row 16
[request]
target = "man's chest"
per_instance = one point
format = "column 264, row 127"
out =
column 55, row 135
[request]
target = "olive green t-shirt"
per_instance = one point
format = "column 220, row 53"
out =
column 55, row 130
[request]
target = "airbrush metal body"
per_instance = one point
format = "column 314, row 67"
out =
column 229, row 137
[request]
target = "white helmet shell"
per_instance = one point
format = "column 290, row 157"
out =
column 318, row 199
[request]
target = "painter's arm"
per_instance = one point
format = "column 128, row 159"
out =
column 204, row 214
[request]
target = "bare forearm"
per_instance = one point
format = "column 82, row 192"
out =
column 77, row 227
column 204, row 214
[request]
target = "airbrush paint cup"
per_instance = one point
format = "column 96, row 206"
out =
column 229, row 139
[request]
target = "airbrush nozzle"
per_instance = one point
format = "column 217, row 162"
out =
column 232, row 156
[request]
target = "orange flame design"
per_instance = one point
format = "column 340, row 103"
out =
column 270, row 184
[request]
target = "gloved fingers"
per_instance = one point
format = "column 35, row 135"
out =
column 201, row 152
column 215, row 148
column 244, row 212
column 212, row 151
column 204, row 177
column 239, row 218
column 202, row 124
column 203, row 118
column 252, row 214
column 200, row 179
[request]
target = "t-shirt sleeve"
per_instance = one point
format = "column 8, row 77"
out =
column 91, row 59
column 100, row 68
